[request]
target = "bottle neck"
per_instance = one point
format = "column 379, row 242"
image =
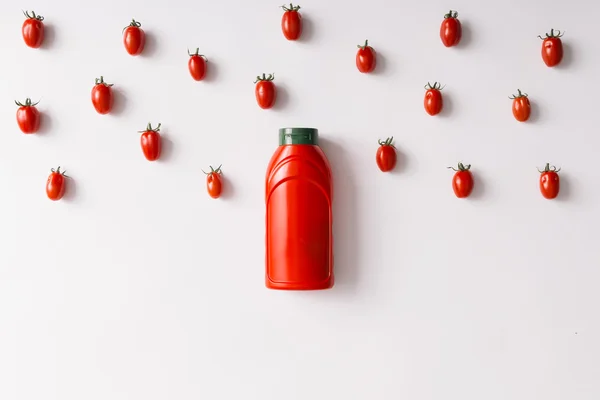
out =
column 288, row 136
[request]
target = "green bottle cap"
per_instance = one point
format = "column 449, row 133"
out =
column 298, row 136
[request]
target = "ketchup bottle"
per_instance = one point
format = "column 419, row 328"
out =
column 299, row 190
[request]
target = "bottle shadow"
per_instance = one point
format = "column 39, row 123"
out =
column 346, row 240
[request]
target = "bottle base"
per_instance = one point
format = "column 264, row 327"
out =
column 324, row 285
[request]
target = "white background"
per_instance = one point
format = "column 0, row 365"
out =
column 138, row 285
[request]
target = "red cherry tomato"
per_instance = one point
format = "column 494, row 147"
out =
column 134, row 38
column 366, row 58
column 265, row 91
column 433, row 98
column 521, row 108
column 150, row 141
column 549, row 181
column 55, row 185
column 197, row 65
column 291, row 22
column 552, row 48
column 33, row 30
column 102, row 96
column 386, row 155
column 450, row 30
column 462, row 182
column 213, row 182
column 28, row 117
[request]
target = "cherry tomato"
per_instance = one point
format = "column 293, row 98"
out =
column 265, row 91
column 549, row 181
column 150, row 141
column 433, row 98
column 462, row 182
column 134, row 38
column 197, row 65
column 55, row 185
column 213, row 182
column 386, row 155
column 450, row 30
column 33, row 30
column 366, row 58
column 291, row 22
column 521, row 108
column 28, row 117
column 552, row 48
column 102, row 96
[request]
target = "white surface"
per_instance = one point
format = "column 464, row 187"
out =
column 140, row 286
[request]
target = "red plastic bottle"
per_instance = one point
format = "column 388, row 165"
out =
column 299, row 192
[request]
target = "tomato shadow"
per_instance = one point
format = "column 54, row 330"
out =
column 382, row 66
column 283, row 98
column 49, row 36
column 479, row 186
column 45, row 124
column 467, row 35
column 166, row 150
column 567, row 60
column 151, row 45
column 402, row 162
column 566, row 188
column 448, row 107
column 70, row 189
column 346, row 228
column 119, row 102
column 212, row 72
column 228, row 190
column 534, row 116
column 308, row 29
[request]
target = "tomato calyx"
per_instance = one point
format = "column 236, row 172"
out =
column 436, row 86
column 552, row 34
column 101, row 82
column 518, row 96
column 451, row 14
column 548, row 168
column 461, row 167
column 214, row 171
column 265, row 78
column 150, row 129
column 365, row 46
column 58, row 171
column 133, row 24
column 291, row 8
column 197, row 53
column 28, row 103
column 387, row 142
column 33, row 16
